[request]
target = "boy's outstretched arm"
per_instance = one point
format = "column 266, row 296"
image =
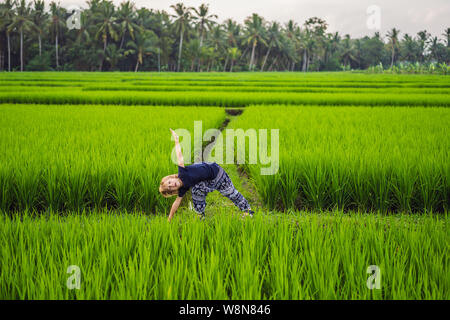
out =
column 178, row 149
column 175, row 206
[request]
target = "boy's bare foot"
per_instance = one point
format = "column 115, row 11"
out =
column 249, row 213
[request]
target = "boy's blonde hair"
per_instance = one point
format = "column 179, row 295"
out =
column 163, row 187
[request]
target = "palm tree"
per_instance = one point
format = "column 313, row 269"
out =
column 446, row 34
column 209, row 55
column 7, row 13
column 232, row 33
column 315, row 39
column 393, row 42
column 183, row 17
column 22, row 22
column 291, row 44
column 194, row 51
column 145, row 43
column 434, row 47
column 335, row 40
column 106, row 25
column 308, row 44
column 160, row 26
column 40, row 20
column 286, row 53
column 113, row 55
column 83, row 34
column 331, row 45
column 204, row 20
column 56, row 25
column 234, row 55
column 93, row 5
column 273, row 39
column 358, row 52
column 125, row 18
column 107, row 29
column 423, row 37
column 254, row 34
column 217, row 40
column 291, row 26
column 348, row 51
column 408, row 46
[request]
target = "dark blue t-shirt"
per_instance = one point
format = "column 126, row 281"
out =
column 193, row 174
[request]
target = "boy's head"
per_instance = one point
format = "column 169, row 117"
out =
column 169, row 185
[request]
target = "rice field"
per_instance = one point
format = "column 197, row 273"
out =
column 384, row 159
column 363, row 180
column 273, row 256
column 89, row 157
column 214, row 90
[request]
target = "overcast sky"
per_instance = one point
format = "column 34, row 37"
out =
column 345, row 16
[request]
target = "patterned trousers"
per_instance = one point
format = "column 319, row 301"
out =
column 221, row 183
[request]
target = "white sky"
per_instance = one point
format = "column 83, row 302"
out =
column 345, row 16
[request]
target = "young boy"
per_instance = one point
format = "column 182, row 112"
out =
column 203, row 178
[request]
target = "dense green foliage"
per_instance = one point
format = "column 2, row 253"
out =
column 331, row 155
column 36, row 37
column 383, row 158
column 82, row 155
column 214, row 89
column 302, row 256
column 75, row 157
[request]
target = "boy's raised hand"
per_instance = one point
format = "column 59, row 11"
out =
column 178, row 149
column 174, row 135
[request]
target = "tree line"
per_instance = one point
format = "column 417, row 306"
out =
column 127, row 38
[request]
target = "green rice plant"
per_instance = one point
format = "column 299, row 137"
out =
column 430, row 187
column 76, row 163
column 380, row 177
column 53, row 182
column 244, row 78
column 6, row 188
column 339, row 186
column 287, row 268
column 266, row 186
column 75, row 158
column 403, row 186
column 359, row 167
column 238, row 99
column 7, row 84
column 123, row 187
column 360, row 193
column 148, row 181
column 354, row 158
column 290, row 183
column 99, row 187
column 26, row 183
column 314, row 183
column 75, row 186
column 247, row 278
column 299, row 256
column 266, row 87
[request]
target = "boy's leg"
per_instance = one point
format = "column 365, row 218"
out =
column 227, row 189
column 198, row 199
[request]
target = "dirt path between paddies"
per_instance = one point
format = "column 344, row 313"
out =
column 238, row 176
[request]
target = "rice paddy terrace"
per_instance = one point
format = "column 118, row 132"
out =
column 363, row 179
